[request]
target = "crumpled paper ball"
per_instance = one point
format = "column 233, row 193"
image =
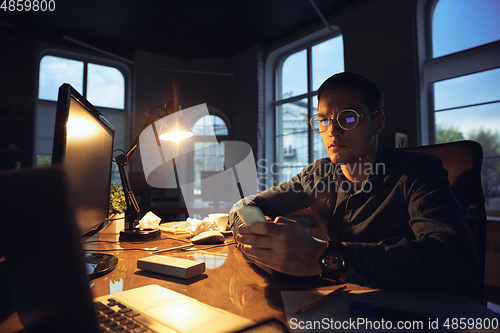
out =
column 149, row 221
column 195, row 226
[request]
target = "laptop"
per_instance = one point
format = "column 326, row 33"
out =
column 47, row 276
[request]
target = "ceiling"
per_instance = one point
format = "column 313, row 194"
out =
column 189, row 29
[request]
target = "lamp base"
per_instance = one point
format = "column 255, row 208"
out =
column 140, row 235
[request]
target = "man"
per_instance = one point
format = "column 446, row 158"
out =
column 391, row 218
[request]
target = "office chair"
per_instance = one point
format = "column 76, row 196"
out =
column 463, row 161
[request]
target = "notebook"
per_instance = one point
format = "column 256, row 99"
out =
column 48, row 280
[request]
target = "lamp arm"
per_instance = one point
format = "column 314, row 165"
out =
column 133, row 210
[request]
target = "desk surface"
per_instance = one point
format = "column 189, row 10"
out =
column 229, row 281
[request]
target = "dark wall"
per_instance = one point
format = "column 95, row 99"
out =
column 158, row 78
column 196, row 81
column 17, row 101
column 248, row 99
column 233, row 86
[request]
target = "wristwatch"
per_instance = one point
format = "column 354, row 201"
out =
column 333, row 262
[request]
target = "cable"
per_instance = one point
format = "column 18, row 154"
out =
column 110, row 250
column 137, row 242
column 151, row 250
column 206, row 248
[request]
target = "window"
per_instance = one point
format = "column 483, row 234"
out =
column 207, row 125
column 461, row 95
column 208, row 156
column 105, row 86
column 459, row 25
column 54, row 71
column 101, row 81
column 298, row 77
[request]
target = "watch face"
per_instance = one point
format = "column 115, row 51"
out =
column 333, row 262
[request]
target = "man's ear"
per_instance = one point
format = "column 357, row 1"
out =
column 379, row 123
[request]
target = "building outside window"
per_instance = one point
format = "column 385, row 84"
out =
column 299, row 73
column 462, row 76
column 103, row 84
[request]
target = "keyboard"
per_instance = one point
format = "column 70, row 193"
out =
column 116, row 317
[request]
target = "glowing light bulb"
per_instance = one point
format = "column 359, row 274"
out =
column 176, row 135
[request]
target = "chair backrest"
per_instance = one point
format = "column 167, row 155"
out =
column 463, row 161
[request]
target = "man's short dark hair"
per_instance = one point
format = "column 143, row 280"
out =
column 372, row 95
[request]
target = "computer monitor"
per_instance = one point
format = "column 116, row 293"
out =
column 83, row 143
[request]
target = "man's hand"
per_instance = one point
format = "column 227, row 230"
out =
column 283, row 245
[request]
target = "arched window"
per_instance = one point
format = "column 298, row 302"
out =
column 460, row 83
column 204, row 125
column 208, row 157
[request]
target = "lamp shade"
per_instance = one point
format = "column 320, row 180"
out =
column 174, row 128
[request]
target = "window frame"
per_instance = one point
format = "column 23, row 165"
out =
column 470, row 61
column 474, row 60
column 276, row 58
column 217, row 136
column 86, row 58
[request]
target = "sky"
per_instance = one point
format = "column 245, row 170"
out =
column 459, row 25
column 327, row 59
column 106, row 85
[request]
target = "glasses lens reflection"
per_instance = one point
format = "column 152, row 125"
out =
column 319, row 123
column 346, row 119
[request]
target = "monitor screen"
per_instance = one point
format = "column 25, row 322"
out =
column 83, row 142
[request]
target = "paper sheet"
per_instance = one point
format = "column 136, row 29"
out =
column 333, row 314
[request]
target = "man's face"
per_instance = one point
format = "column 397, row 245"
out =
column 358, row 145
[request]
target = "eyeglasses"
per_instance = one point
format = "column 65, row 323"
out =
column 347, row 120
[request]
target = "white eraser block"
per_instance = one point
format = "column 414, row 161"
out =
column 181, row 268
column 250, row 214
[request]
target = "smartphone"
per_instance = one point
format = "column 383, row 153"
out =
column 250, row 214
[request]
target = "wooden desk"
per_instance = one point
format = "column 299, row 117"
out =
column 234, row 285
column 229, row 281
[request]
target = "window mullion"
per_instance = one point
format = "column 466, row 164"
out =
column 294, row 98
column 309, row 70
column 310, row 143
column 85, row 78
column 467, row 106
column 462, row 63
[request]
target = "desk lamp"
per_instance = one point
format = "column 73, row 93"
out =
column 175, row 131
